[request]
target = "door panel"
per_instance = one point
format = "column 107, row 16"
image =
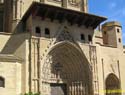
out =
column 58, row 89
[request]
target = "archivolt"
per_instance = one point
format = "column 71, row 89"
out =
column 75, row 65
column 73, row 49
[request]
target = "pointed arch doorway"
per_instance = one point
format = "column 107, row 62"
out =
column 113, row 85
column 67, row 71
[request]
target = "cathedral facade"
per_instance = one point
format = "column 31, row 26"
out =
column 52, row 47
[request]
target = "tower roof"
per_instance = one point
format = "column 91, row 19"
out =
column 111, row 23
column 61, row 14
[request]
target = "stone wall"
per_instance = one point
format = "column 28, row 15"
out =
column 11, row 72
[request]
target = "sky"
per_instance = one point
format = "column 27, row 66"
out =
column 114, row 10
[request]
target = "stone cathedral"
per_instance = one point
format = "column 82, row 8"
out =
column 55, row 47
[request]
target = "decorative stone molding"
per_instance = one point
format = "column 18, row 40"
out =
column 65, row 36
column 10, row 58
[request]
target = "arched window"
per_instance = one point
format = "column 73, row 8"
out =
column 89, row 38
column 2, row 82
column 38, row 30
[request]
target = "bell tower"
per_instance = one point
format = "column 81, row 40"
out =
column 112, row 34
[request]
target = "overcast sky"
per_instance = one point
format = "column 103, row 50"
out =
column 112, row 9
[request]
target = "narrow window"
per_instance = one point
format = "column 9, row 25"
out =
column 119, row 40
column 89, row 38
column 82, row 37
column 2, row 82
column 38, row 30
column 47, row 31
column 118, row 30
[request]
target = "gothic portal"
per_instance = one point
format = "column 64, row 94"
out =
column 66, row 64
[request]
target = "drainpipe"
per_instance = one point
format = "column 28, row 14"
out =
column 38, row 64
